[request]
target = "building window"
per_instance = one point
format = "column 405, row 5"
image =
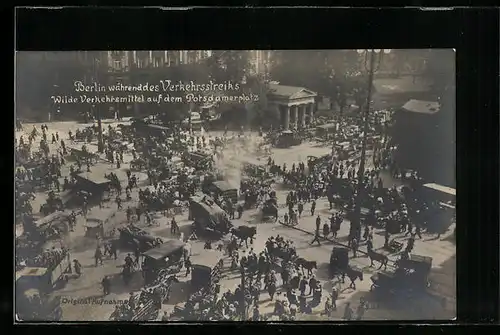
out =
column 117, row 64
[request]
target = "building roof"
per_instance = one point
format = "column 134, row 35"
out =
column 441, row 188
column 422, row 107
column 290, row 92
column 165, row 249
column 223, row 185
column 94, row 177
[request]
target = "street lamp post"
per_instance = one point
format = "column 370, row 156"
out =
column 371, row 65
column 100, row 144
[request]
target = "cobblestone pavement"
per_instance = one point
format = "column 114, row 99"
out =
column 88, row 285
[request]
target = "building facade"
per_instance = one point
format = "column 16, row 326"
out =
column 294, row 105
column 126, row 60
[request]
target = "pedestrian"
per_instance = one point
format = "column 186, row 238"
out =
column 335, row 297
column 313, row 208
column 98, row 256
column 300, row 208
column 187, row 264
column 106, row 285
column 316, row 237
column 318, row 222
column 118, row 202
column 302, row 286
column 354, row 247
column 348, row 312
column 360, row 311
column 312, row 284
column 328, row 308
column 78, row 267
column 113, row 250
column 418, row 231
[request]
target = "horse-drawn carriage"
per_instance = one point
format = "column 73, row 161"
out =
column 53, row 204
column 93, row 183
column 339, row 260
column 409, row 278
column 270, row 209
column 287, row 139
column 207, row 272
column 224, row 190
column 283, row 254
column 163, row 260
column 208, row 216
column 133, row 237
column 394, row 246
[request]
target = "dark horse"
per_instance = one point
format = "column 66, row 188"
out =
column 243, row 233
column 375, row 256
column 305, row 264
column 353, row 274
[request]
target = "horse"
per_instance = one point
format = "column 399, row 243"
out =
column 353, row 274
column 243, row 233
column 375, row 256
column 305, row 264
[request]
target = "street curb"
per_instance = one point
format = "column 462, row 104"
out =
column 322, row 237
column 327, row 239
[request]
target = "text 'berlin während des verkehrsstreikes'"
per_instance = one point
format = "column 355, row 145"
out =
column 166, row 91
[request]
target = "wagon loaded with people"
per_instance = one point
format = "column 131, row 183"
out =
column 410, row 277
column 45, row 271
column 52, row 226
column 146, row 306
column 134, row 238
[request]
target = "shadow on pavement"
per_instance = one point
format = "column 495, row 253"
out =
column 119, row 287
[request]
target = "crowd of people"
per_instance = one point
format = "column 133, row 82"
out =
column 171, row 186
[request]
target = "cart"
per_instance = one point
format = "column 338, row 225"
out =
column 409, row 278
column 394, row 246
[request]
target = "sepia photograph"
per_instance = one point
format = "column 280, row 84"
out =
column 235, row 185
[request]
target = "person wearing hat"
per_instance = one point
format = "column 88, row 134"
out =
column 78, row 267
column 348, row 312
column 293, row 310
column 328, row 308
column 313, row 282
column 256, row 313
column 286, row 307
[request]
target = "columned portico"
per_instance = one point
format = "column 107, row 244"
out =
column 295, row 105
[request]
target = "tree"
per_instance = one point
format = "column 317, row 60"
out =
column 228, row 65
column 331, row 73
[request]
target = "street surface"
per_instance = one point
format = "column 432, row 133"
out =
column 89, row 284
